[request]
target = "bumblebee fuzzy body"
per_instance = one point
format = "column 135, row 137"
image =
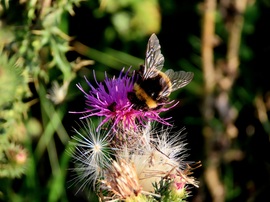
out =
column 152, row 88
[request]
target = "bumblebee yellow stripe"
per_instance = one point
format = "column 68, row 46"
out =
column 142, row 95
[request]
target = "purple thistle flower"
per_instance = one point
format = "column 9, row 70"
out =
column 110, row 100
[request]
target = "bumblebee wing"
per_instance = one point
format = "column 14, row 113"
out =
column 154, row 60
column 179, row 79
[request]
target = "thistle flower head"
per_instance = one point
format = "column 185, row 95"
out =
column 171, row 144
column 92, row 154
column 110, row 101
column 162, row 156
column 132, row 161
column 122, row 180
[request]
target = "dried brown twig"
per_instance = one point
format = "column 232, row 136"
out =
column 218, row 80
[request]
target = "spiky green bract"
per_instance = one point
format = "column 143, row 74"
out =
column 141, row 198
column 92, row 154
column 162, row 188
column 177, row 195
column 168, row 193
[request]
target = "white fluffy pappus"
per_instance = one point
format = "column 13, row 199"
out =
column 160, row 153
column 91, row 154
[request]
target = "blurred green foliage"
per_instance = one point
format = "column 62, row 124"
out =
column 46, row 47
column 14, row 88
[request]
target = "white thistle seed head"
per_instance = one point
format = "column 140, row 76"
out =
column 92, row 154
column 157, row 154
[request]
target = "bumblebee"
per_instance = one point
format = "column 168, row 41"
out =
column 153, row 87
